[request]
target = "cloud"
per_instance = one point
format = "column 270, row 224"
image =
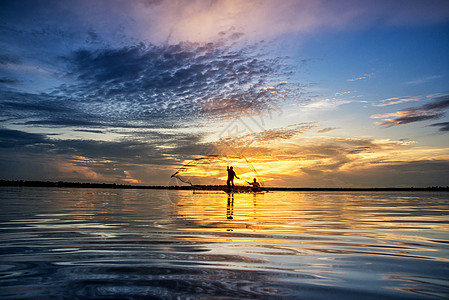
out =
column 6, row 59
column 162, row 63
column 396, row 100
column 324, row 152
column 70, row 159
column 419, row 173
column 431, row 111
column 90, row 131
column 424, row 80
column 8, row 81
column 350, row 162
column 15, row 138
column 267, row 135
column 342, row 93
column 444, row 126
column 325, row 104
column 152, row 156
column 154, row 86
column 328, row 129
column 316, row 161
column 364, row 76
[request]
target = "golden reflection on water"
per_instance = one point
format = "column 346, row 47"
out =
column 329, row 210
column 399, row 223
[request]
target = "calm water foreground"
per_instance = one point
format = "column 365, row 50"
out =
column 164, row 244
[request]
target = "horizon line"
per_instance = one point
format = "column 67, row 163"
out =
column 40, row 183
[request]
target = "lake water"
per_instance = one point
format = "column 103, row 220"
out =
column 164, row 244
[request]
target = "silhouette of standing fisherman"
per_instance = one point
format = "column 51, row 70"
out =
column 230, row 181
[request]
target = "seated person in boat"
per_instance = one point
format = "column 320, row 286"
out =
column 255, row 186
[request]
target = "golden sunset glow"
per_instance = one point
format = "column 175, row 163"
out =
column 300, row 162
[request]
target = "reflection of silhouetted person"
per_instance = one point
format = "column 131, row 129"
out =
column 230, row 207
column 230, row 181
column 255, row 186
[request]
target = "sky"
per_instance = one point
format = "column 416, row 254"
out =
column 308, row 93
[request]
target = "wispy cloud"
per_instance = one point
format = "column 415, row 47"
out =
column 431, row 111
column 328, row 129
column 396, row 100
column 444, row 126
column 342, row 93
column 424, row 80
column 269, row 135
column 362, row 77
column 325, row 104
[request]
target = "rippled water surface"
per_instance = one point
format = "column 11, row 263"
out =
column 164, row 244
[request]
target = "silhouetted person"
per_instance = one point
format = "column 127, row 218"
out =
column 230, row 181
column 255, row 186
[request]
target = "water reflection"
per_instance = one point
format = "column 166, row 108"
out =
column 142, row 244
column 230, row 207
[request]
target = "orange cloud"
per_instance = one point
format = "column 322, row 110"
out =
column 71, row 171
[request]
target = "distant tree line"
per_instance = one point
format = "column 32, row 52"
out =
column 27, row 183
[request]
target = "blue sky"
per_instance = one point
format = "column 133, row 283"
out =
column 313, row 93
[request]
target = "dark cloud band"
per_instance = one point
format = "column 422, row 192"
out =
column 431, row 111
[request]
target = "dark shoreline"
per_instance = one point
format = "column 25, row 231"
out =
column 24, row 183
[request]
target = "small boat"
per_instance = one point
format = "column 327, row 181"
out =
column 246, row 191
